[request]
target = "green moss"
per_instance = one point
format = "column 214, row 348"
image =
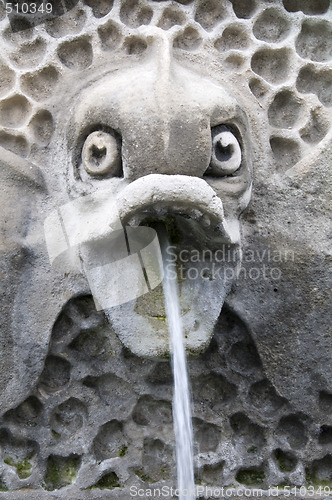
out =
column 252, row 449
column 312, row 480
column 23, row 468
column 251, row 477
column 53, row 477
column 108, row 481
column 123, row 451
column 161, row 318
column 141, row 474
column 286, row 461
column 56, row 434
column 61, row 471
column 71, row 472
column 163, row 474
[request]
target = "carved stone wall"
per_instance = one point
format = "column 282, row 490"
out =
column 82, row 415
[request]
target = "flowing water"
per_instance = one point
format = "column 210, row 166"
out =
column 181, row 396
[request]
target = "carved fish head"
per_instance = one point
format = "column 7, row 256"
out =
column 158, row 142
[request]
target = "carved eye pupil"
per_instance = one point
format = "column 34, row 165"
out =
column 101, row 155
column 226, row 152
column 97, row 154
column 223, row 152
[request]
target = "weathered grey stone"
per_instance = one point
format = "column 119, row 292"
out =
column 215, row 118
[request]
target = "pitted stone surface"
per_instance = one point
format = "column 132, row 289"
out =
column 77, row 40
column 112, row 417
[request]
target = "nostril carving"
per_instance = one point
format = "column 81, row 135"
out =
column 101, row 155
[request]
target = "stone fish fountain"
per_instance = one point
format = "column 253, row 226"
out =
column 118, row 116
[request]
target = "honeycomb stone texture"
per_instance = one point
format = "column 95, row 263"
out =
column 279, row 41
column 94, row 419
column 98, row 410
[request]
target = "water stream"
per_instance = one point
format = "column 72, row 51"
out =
column 181, row 395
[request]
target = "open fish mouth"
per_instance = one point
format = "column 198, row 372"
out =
column 196, row 225
column 189, row 208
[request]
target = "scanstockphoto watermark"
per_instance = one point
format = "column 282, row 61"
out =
column 209, row 492
column 227, row 263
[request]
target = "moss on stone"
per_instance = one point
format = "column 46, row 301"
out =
column 282, row 485
column 285, row 461
column 123, row 450
column 251, row 477
column 108, row 481
column 61, row 471
column 312, row 480
column 161, row 318
column 23, row 468
column 143, row 476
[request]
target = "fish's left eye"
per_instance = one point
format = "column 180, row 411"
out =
column 226, row 154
